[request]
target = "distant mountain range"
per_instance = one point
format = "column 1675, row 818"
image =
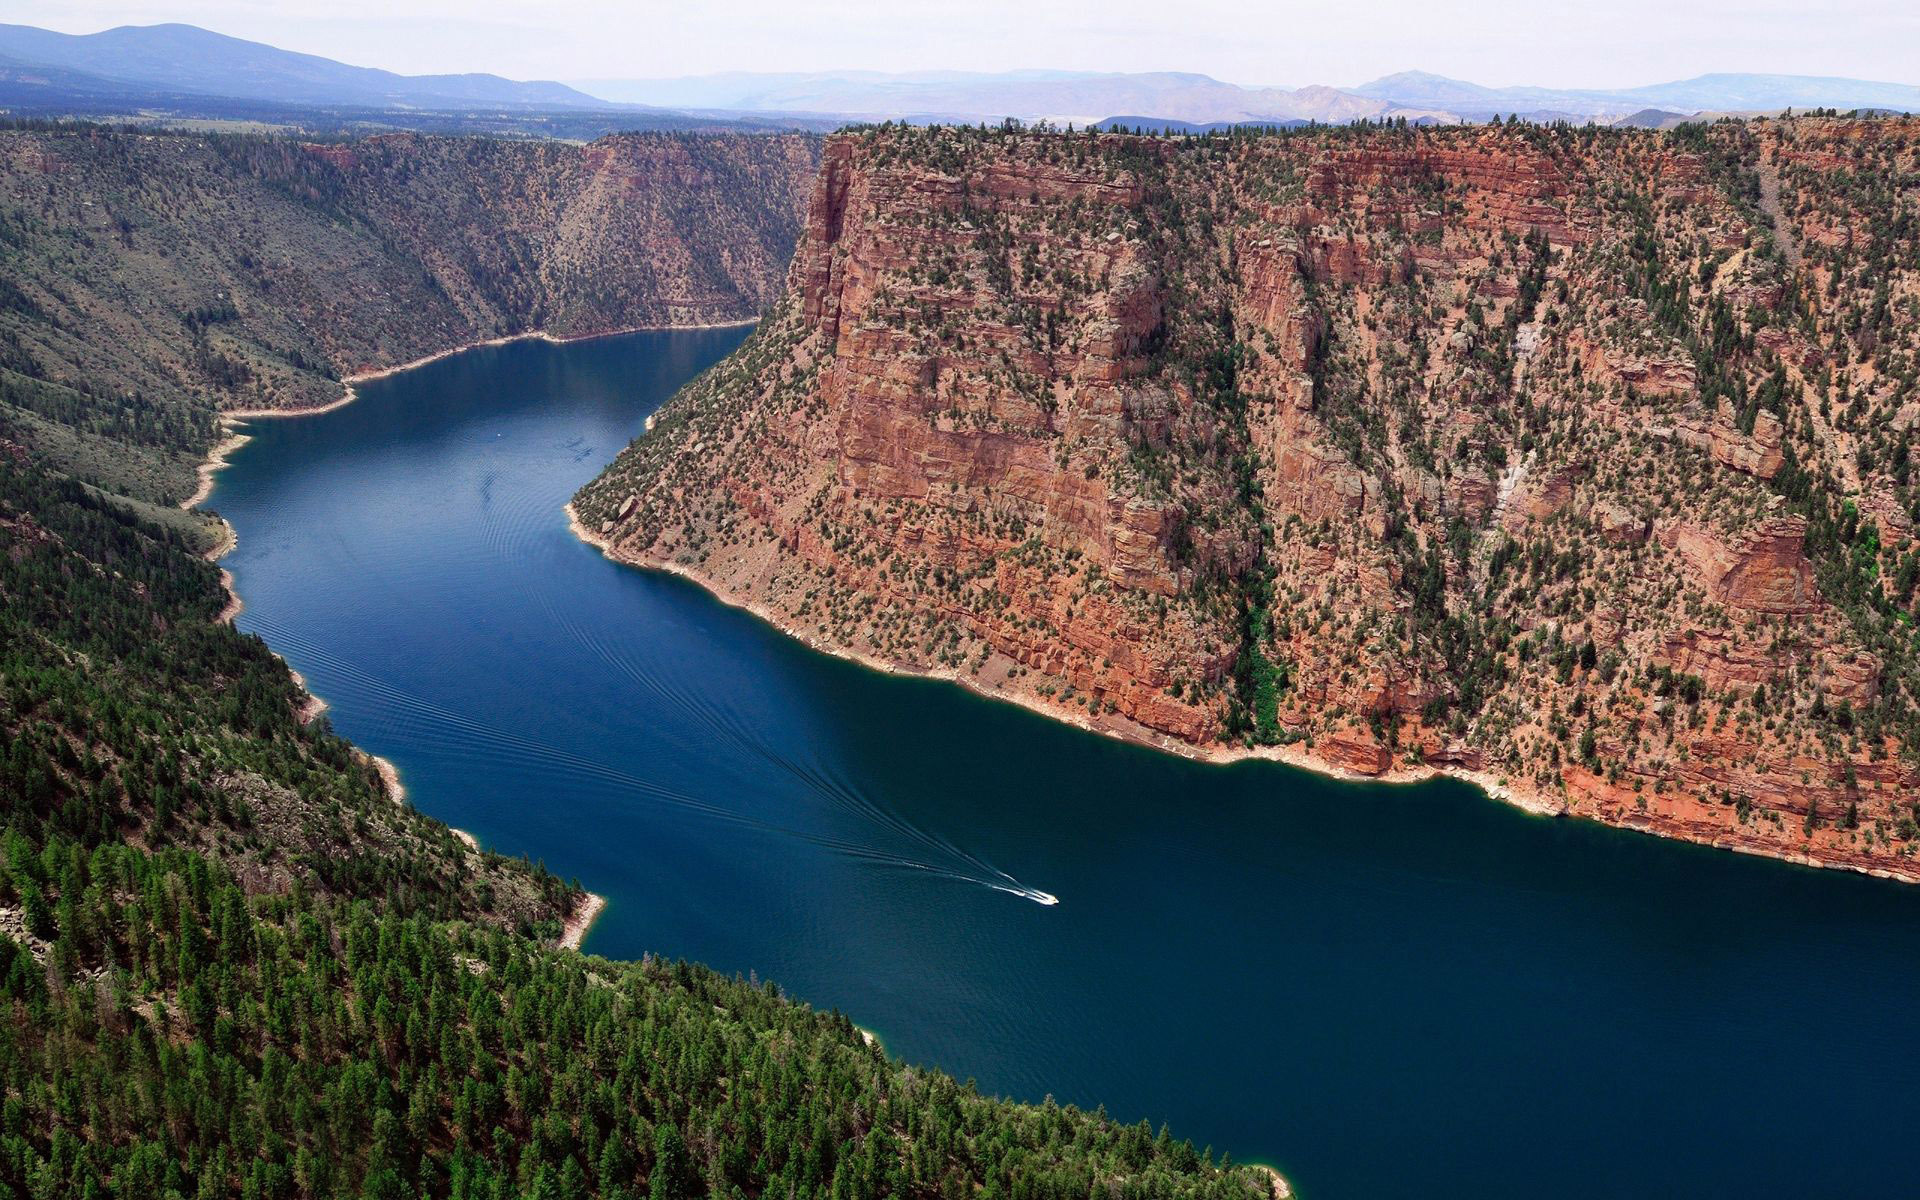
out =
column 183, row 68
column 182, row 71
column 1183, row 99
column 191, row 60
column 1705, row 93
column 1163, row 96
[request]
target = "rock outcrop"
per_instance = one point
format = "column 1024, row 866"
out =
column 1762, row 569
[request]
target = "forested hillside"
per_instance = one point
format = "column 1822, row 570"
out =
column 183, row 1037
column 132, row 716
column 231, row 966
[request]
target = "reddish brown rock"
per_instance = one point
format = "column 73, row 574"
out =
column 1122, row 427
column 1354, row 749
column 1619, row 524
column 1764, row 569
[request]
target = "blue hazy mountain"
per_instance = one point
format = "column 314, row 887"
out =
column 1704, row 93
column 185, row 59
column 1170, row 97
column 1175, row 98
column 1729, row 93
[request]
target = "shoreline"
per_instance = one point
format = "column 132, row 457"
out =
column 225, row 539
column 216, row 459
column 230, row 420
column 1496, row 786
column 390, row 779
column 1282, row 1190
column 581, row 919
column 390, row 775
column 314, row 705
column 349, row 392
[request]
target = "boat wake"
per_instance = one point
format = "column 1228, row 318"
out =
column 1026, row 893
column 728, row 729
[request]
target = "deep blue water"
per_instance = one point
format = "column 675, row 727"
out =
column 1385, row 991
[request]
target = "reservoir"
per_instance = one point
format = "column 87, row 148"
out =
column 1382, row 990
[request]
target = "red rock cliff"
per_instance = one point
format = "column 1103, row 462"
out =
column 1491, row 449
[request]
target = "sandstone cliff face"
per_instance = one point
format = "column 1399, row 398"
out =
column 154, row 279
column 1491, row 449
column 1764, row 570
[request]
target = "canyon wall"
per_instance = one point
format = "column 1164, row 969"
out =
column 1520, row 452
column 154, row 279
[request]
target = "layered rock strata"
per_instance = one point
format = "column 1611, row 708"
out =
column 1516, row 452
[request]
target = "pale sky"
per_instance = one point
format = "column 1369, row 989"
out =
column 1591, row 43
